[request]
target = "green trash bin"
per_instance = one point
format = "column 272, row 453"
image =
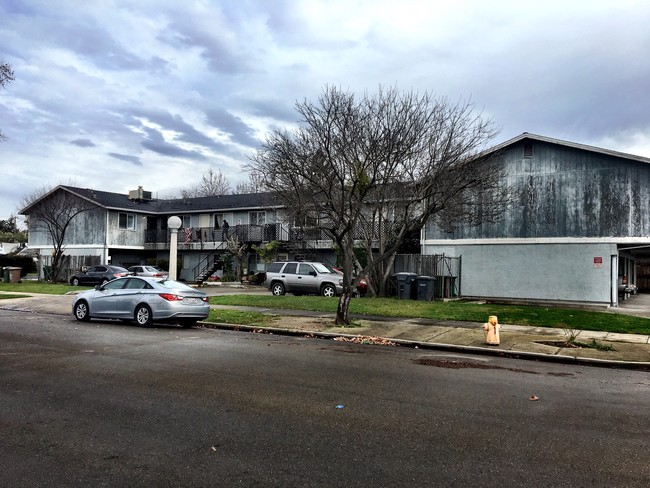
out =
column 5, row 274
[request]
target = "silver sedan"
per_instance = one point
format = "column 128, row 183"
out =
column 151, row 271
column 143, row 300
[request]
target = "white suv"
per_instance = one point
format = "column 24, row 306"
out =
column 301, row 278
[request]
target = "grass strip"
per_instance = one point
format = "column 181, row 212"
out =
column 464, row 311
column 41, row 287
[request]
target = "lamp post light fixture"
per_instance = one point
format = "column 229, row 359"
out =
column 174, row 223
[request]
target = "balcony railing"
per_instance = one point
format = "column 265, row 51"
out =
column 211, row 238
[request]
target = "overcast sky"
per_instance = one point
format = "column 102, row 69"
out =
column 113, row 95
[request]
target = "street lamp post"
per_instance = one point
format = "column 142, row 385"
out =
column 174, row 223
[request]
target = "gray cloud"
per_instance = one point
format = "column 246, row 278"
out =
column 199, row 83
column 83, row 143
column 156, row 143
column 174, row 122
column 123, row 157
column 233, row 125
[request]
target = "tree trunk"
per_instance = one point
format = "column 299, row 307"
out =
column 343, row 307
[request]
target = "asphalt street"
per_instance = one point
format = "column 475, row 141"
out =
column 110, row 404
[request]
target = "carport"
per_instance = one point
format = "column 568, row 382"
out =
column 633, row 270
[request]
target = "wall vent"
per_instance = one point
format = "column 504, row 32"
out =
column 528, row 150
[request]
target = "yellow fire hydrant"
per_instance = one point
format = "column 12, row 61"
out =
column 491, row 329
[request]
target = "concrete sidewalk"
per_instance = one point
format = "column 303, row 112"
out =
column 539, row 343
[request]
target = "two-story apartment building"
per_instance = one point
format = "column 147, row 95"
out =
column 578, row 230
column 129, row 229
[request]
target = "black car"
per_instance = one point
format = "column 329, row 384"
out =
column 98, row 275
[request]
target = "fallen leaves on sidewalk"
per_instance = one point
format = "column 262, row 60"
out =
column 367, row 340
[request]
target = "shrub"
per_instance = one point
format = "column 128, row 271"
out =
column 25, row 262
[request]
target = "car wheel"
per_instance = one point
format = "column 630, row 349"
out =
column 187, row 323
column 278, row 289
column 328, row 291
column 74, row 281
column 143, row 315
column 81, row 311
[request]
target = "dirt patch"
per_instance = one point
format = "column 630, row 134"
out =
column 578, row 345
column 444, row 363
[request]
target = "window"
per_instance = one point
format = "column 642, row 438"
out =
column 275, row 267
column 127, row 221
column 135, row 284
column 257, row 218
column 305, row 269
column 290, row 268
column 114, row 285
column 187, row 221
column 528, row 150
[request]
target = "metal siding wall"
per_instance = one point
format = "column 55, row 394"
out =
column 123, row 237
column 567, row 192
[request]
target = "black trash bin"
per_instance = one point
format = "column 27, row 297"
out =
column 426, row 286
column 406, row 286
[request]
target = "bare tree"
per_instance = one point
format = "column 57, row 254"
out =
column 255, row 184
column 6, row 77
column 52, row 210
column 373, row 169
column 213, row 183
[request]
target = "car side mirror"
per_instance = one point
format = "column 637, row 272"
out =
column 98, row 287
column 313, row 273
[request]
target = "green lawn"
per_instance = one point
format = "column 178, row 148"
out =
column 40, row 287
column 542, row 316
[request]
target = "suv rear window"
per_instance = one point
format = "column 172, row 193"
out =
column 275, row 267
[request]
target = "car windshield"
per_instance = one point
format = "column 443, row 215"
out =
column 321, row 268
column 175, row 285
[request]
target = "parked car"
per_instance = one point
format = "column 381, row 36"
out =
column 98, row 275
column 362, row 284
column 302, row 278
column 150, row 271
column 144, row 300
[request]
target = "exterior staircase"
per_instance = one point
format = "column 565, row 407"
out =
column 205, row 268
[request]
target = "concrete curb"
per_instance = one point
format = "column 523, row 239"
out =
column 485, row 351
